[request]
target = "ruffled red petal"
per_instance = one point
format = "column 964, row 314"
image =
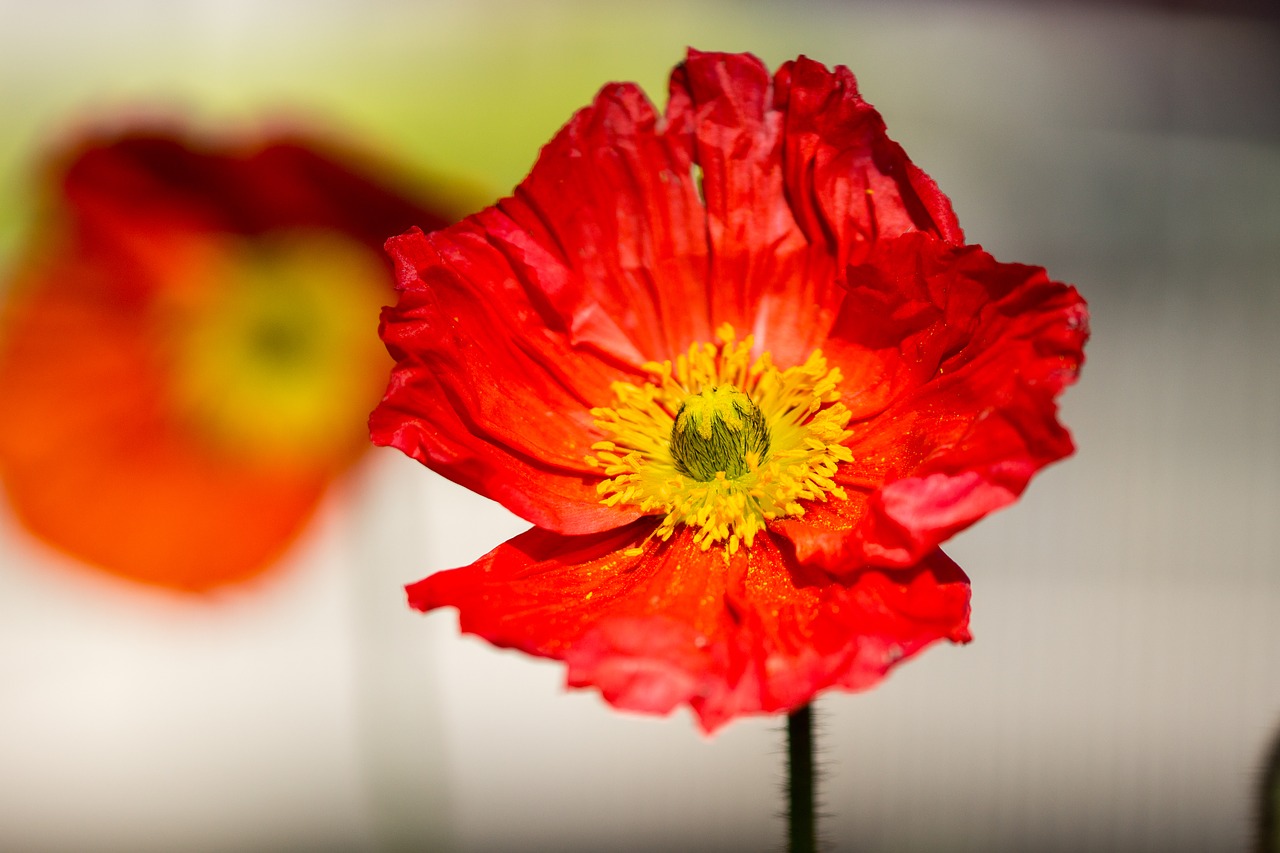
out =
column 678, row 625
column 798, row 180
column 971, row 355
column 632, row 238
column 484, row 391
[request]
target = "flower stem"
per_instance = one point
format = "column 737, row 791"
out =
column 1268, row 839
column 802, row 835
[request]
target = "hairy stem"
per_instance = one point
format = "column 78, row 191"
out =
column 802, row 836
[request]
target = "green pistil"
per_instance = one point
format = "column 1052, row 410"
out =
column 719, row 430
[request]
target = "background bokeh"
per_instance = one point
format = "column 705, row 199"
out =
column 1123, row 685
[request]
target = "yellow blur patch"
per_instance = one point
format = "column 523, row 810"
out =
column 275, row 353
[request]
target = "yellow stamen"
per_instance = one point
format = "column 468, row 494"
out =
column 722, row 442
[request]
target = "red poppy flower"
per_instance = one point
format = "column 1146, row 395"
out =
column 184, row 356
column 737, row 366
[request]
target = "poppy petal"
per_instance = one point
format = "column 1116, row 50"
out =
column 495, row 400
column 978, row 351
column 756, row 634
column 799, row 179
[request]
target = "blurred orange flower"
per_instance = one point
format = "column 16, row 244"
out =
column 187, row 352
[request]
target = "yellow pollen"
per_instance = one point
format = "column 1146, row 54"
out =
column 722, row 442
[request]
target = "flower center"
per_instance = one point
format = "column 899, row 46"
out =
column 723, row 443
column 718, row 431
